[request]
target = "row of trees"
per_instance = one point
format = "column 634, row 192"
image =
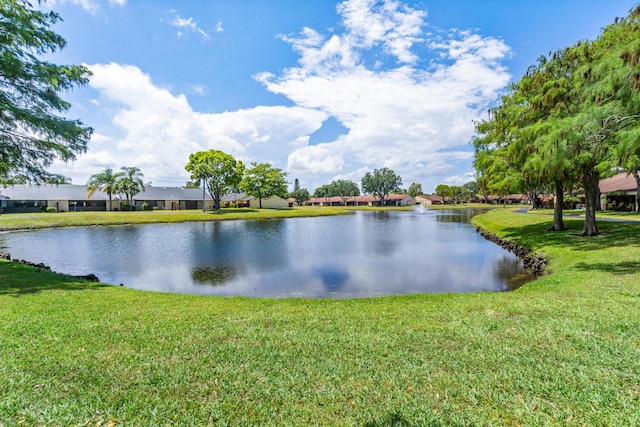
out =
column 570, row 120
column 220, row 173
column 380, row 183
column 458, row 193
column 128, row 182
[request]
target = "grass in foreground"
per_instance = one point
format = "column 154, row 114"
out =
column 560, row 351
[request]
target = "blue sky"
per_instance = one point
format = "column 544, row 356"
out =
column 322, row 89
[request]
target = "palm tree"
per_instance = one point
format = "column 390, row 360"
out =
column 105, row 181
column 130, row 182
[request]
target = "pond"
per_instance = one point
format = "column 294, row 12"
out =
column 369, row 253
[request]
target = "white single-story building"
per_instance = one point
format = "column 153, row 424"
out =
column 68, row 198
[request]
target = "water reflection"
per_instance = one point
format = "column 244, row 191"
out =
column 216, row 275
column 509, row 270
column 332, row 278
column 359, row 255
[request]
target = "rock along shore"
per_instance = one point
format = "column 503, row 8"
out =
column 535, row 264
column 40, row 267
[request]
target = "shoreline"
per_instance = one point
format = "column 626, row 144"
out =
column 535, row 263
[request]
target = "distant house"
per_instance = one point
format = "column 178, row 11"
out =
column 390, row 200
column 273, row 202
column 68, row 197
column 618, row 192
column 241, row 201
column 431, row 200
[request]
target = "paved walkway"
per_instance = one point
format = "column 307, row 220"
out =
column 573, row 216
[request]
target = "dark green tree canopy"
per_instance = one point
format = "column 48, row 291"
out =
column 32, row 131
column 219, row 171
column 342, row 188
column 263, row 181
column 380, row 183
column 301, row 195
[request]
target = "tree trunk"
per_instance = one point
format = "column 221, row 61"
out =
column 260, row 202
column 634, row 172
column 216, row 199
column 110, row 206
column 533, row 196
column 203, row 195
column 590, row 181
column 558, row 223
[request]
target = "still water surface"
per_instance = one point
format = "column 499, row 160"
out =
column 359, row 255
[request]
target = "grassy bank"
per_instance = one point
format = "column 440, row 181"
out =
column 559, row 351
column 68, row 219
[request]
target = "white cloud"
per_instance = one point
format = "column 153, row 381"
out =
column 394, row 26
column 160, row 129
column 219, row 28
column 199, row 89
column 416, row 117
column 460, row 179
column 413, row 119
column 186, row 23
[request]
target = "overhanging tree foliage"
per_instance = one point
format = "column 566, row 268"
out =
column 32, row 133
column 570, row 119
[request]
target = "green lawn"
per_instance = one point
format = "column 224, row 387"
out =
column 563, row 350
column 66, row 219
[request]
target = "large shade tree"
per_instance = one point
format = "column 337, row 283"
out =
column 572, row 118
column 263, row 181
column 32, row 131
column 220, row 172
column 380, row 183
column 344, row 189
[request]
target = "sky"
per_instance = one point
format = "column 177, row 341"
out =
column 321, row 89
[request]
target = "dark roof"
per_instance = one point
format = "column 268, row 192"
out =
column 79, row 192
column 619, row 182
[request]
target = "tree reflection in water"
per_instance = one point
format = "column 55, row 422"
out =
column 218, row 275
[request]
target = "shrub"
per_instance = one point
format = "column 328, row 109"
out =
column 51, row 209
column 155, row 208
column 126, row 206
column 145, row 206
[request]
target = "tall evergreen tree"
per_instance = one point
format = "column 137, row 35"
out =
column 32, row 132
